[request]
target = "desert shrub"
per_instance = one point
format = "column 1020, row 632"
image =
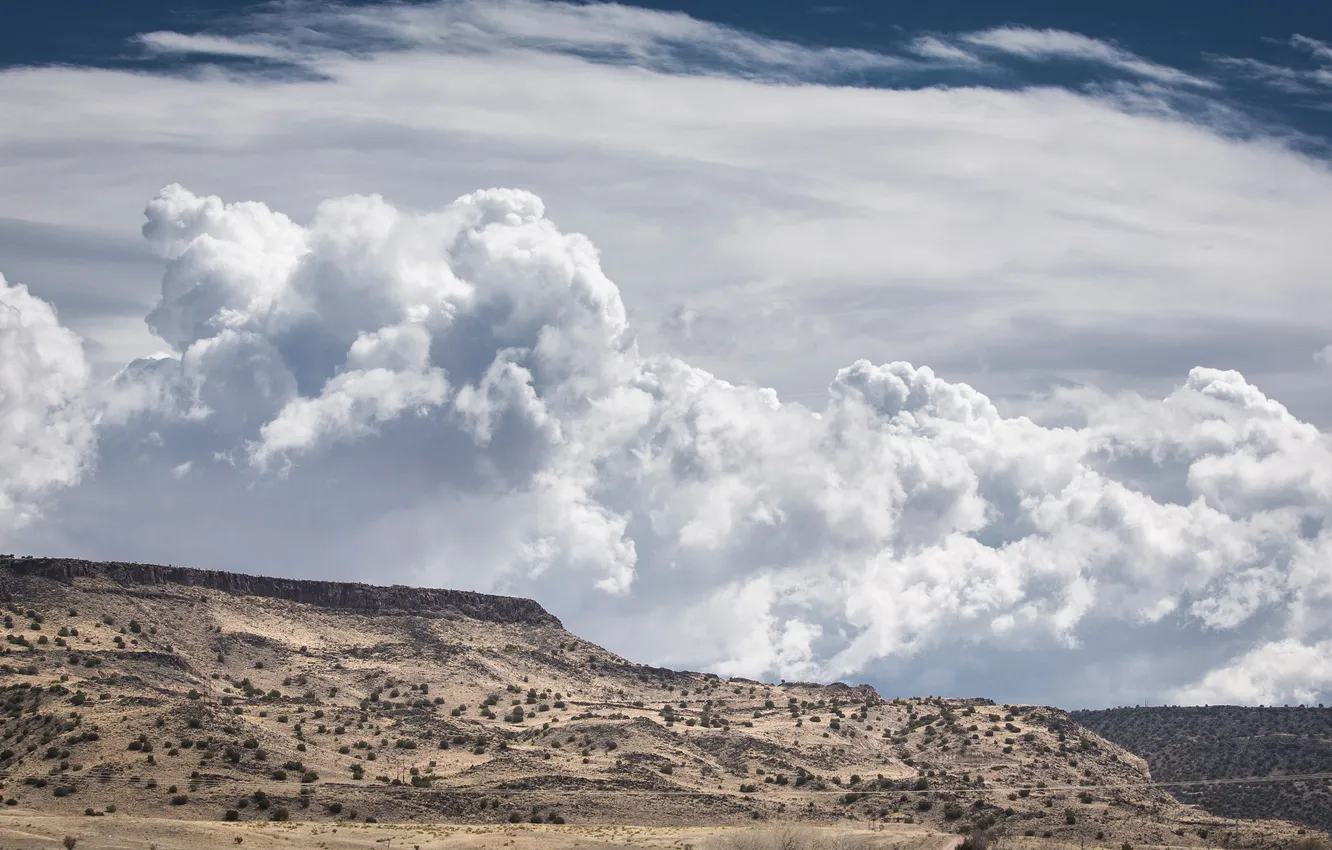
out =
column 179, row 800
column 69, row 843
column 231, row 815
column 280, row 814
column 977, row 839
column 790, row 837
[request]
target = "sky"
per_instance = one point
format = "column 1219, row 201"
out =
column 970, row 349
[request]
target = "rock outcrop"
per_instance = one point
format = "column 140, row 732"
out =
column 350, row 596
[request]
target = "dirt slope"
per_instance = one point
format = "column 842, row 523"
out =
column 205, row 696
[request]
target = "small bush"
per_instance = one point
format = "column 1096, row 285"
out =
column 179, row 800
column 976, row 840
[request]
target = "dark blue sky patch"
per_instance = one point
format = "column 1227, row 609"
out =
column 1246, row 48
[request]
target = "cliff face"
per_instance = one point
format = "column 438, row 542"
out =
column 351, row 596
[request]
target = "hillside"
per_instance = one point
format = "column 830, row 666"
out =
column 142, row 691
column 1225, row 742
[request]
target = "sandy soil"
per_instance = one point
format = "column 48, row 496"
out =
column 31, row 831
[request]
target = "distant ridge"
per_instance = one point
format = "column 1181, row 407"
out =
column 1185, row 743
column 351, row 596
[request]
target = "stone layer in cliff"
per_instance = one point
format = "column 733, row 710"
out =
column 350, row 596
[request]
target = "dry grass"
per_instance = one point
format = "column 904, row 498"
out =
column 32, row 833
column 139, row 689
column 794, row 837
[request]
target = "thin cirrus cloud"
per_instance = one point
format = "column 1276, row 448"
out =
column 1293, row 78
column 933, row 47
column 185, row 44
column 664, row 41
column 404, row 386
column 1047, row 44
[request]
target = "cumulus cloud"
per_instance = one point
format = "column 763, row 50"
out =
column 46, row 433
column 1282, row 672
column 485, row 349
column 359, row 389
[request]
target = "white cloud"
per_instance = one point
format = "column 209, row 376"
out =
column 1323, row 356
column 46, row 433
column 210, row 45
column 1060, row 44
column 1291, row 79
column 1279, row 673
column 1320, row 50
column 671, row 42
column 359, row 389
column 932, row 47
column 485, row 349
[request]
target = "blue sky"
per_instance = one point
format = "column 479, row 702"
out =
column 1190, row 36
column 979, row 349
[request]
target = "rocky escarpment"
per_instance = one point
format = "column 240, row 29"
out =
column 349, row 596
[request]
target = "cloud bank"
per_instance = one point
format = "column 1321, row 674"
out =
column 456, row 394
column 458, row 397
column 46, row 432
